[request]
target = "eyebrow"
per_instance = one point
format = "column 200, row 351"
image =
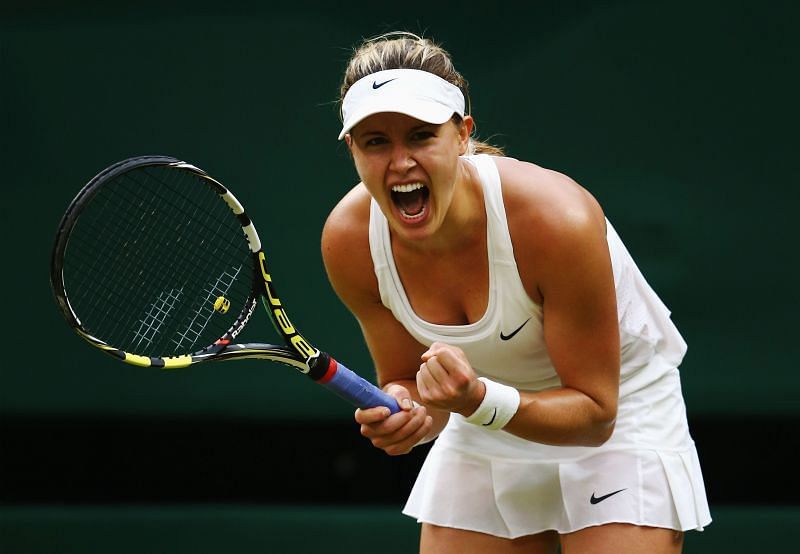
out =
column 413, row 129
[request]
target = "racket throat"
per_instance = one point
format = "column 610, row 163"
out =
column 322, row 368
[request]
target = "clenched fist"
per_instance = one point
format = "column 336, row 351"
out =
column 446, row 380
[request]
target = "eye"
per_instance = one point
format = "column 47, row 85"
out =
column 422, row 135
column 375, row 141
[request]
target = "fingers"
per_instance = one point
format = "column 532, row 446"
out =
column 445, row 378
column 402, row 396
column 444, row 372
column 435, row 349
column 371, row 415
column 399, row 433
column 396, row 434
column 449, row 358
column 367, row 416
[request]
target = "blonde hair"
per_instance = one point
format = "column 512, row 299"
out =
column 404, row 50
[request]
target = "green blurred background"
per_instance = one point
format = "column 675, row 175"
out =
column 680, row 117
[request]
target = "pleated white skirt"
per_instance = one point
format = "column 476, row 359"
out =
column 492, row 482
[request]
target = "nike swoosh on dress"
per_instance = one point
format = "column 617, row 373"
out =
column 514, row 332
column 596, row 499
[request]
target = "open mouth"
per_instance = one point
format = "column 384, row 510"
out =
column 411, row 200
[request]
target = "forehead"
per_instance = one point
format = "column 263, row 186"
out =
column 388, row 122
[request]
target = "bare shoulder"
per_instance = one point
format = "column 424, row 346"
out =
column 349, row 217
column 345, row 247
column 552, row 198
column 549, row 216
column 546, row 201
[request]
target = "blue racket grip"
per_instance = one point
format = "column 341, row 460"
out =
column 350, row 386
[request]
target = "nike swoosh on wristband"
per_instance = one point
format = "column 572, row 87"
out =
column 379, row 85
column 596, row 499
column 494, row 415
column 514, row 332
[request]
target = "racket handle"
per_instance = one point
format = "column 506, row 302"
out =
column 350, row 386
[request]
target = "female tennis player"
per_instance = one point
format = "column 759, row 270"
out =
column 504, row 313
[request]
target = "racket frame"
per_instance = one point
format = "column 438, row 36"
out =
column 302, row 356
column 298, row 352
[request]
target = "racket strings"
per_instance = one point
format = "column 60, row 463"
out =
column 149, row 255
column 103, row 256
column 205, row 311
column 225, row 243
column 155, row 317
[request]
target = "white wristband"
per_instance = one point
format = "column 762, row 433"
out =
column 499, row 405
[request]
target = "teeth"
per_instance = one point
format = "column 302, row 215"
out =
column 407, row 188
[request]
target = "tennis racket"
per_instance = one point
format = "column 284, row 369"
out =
column 157, row 264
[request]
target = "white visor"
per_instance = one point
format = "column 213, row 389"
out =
column 419, row 94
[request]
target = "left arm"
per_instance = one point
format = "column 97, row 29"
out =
column 581, row 332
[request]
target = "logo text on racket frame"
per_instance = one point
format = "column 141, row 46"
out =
column 289, row 332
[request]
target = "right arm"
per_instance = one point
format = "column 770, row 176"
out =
column 396, row 354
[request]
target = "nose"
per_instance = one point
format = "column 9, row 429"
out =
column 401, row 159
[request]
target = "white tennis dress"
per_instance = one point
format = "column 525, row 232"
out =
column 647, row 473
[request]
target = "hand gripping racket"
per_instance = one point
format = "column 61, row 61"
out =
column 157, row 264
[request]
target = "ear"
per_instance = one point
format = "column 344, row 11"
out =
column 464, row 132
column 348, row 140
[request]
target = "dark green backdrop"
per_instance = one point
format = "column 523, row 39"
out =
column 679, row 116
